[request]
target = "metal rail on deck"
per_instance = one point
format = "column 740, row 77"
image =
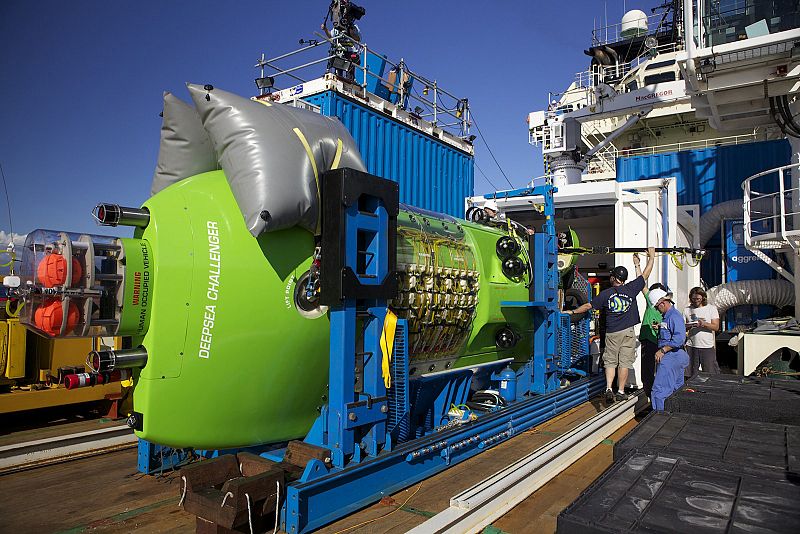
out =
column 771, row 208
column 48, row 451
column 476, row 507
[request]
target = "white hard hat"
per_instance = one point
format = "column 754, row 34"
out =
column 657, row 295
column 490, row 204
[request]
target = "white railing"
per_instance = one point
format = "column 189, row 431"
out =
column 596, row 74
column 618, row 75
column 425, row 99
column 612, row 33
column 604, row 161
column 772, row 209
column 693, row 145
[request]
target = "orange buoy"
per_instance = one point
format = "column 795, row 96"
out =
column 52, row 270
column 49, row 315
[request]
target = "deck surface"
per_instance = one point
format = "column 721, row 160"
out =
column 50, row 422
column 107, row 494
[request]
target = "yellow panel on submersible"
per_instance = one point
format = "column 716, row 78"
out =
column 233, row 361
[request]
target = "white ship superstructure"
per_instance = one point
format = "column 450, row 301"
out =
column 675, row 111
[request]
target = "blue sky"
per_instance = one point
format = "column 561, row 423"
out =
column 81, row 81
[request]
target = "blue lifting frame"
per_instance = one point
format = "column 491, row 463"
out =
column 551, row 328
column 374, row 449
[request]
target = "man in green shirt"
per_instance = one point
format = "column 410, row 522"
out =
column 648, row 334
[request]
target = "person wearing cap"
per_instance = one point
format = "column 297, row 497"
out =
column 671, row 358
column 622, row 316
column 493, row 213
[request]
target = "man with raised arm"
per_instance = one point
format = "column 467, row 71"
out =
column 622, row 315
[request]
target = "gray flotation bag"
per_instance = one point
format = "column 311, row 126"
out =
column 185, row 148
column 273, row 156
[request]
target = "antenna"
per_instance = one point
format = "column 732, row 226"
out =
column 8, row 204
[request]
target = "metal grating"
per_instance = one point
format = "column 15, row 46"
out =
column 580, row 330
column 398, row 394
column 564, row 341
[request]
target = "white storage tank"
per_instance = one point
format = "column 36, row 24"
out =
column 634, row 24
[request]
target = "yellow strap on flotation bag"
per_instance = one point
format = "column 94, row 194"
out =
column 387, row 345
column 338, row 157
column 11, row 257
column 303, row 140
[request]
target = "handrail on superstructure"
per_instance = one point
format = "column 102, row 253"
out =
column 612, row 33
column 777, row 226
column 442, row 108
column 620, row 74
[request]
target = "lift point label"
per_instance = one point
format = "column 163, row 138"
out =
column 212, row 291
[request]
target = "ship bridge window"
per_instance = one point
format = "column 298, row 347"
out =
column 659, row 78
column 659, row 64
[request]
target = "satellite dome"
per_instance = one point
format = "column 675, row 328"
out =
column 634, row 24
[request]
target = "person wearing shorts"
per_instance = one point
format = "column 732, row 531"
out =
column 622, row 316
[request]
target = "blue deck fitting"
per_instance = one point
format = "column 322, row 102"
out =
column 358, row 277
column 154, row 459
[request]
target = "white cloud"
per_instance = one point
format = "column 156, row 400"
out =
column 5, row 239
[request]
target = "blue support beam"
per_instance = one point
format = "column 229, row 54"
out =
column 541, row 374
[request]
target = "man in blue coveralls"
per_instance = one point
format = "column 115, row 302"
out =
column 671, row 357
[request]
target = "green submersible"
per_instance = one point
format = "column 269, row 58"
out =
column 217, row 291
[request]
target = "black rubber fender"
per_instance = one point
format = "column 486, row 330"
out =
column 573, row 299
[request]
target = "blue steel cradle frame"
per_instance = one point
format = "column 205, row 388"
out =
column 358, row 276
column 367, row 465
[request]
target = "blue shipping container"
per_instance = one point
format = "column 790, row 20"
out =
column 740, row 263
column 432, row 174
column 707, row 176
